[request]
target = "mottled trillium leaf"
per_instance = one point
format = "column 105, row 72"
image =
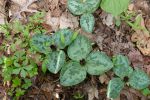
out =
column 122, row 66
column 114, row 88
column 72, row 73
column 115, row 7
column 87, row 22
column 54, row 61
column 139, row 79
column 78, row 7
column 98, row 63
column 80, row 48
column 63, row 38
column 41, row 43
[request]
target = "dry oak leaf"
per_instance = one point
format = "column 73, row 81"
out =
column 142, row 38
column 142, row 41
column 23, row 5
column 66, row 20
column 136, row 58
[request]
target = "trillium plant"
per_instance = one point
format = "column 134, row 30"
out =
column 72, row 54
column 86, row 8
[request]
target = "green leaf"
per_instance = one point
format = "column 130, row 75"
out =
column 7, row 73
column 44, row 68
column 78, row 7
column 41, row 43
column 19, row 55
column 115, row 7
column 122, row 66
column 75, row 34
column 55, row 61
column 16, row 71
column 62, row 38
column 72, row 73
column 19, row 92
column 80, row 48
column 23, row 73
column 87, row 22
column 33, row 72
column 98, row 63
column 139, row 79
column 146, row 92
column 1, row 60
column 8, row 61
column 27, row 83
column 114, row 88
column 28, row 68
column 16, row 82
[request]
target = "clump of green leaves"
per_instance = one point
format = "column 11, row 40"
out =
column 18, row 65
column 137, row 78
column 84, row 8
column 52, row 47
column 83, row 59
column 18, row 69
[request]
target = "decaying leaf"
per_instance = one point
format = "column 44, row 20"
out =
column 23, row 7
column 65, row 20
column 2, row 11
column 142, row 39
column 104, row 79
column 92, row 93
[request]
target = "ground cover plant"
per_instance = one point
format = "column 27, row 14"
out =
column 29, row 50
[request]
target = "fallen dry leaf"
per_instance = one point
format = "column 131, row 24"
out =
column 2, row 11
column 20, row 2
column 142, row 5
column 142, row 39
column 136, row 58
column 147, row 69
column 92, row 93
column 52, row 21
column 53, row 4
column 66, row 20
column 104, row 79
column 107, row 19
column 47, row 87
column 21, row 7
column 142, row 42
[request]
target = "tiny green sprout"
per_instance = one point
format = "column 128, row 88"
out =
column 78, row 96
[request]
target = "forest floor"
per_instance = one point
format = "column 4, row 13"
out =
column 108, row 38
